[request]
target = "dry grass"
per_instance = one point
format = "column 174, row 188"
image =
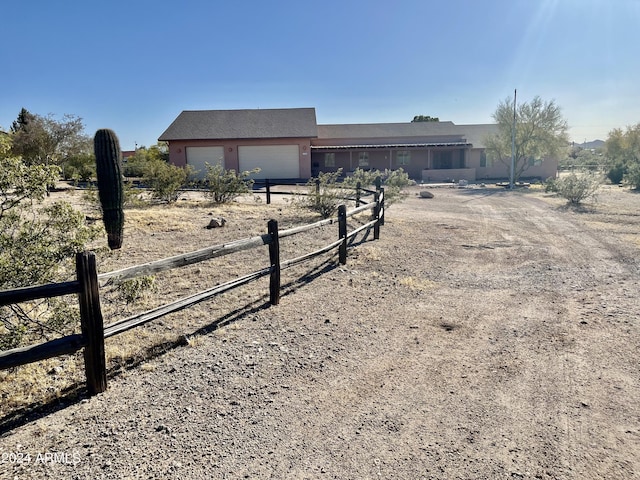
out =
column 156, row 232
column 418, row 284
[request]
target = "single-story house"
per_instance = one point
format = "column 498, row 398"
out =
column 289, row 144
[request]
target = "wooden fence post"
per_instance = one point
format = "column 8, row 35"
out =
column 274, row 259
column 342, row 233
column 381, row 212
column 268, row 187
column 91, row 323
column 358, row 193
column 376, row 215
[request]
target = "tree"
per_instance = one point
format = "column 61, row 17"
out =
column 47, row 141
column 623, row 154
column 424, row 118
column 135, row 164
column 540, row 133
column 36, row 245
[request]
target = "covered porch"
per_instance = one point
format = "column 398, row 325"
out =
column 413, row 158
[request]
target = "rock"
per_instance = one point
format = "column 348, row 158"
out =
column 216, row 223
column 426, row 194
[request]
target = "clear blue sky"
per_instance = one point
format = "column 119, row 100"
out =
column 134, row 65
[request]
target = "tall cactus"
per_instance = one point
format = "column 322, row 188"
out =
column 107, row 151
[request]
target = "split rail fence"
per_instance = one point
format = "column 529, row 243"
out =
column 86, row 286
column 267, row 184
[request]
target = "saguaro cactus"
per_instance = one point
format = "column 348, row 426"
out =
column 107, row 151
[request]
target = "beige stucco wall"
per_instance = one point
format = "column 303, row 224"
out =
column 500, row 170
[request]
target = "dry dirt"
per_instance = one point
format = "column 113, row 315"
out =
column 486, row 335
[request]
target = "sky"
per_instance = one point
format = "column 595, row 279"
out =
column 134, row 65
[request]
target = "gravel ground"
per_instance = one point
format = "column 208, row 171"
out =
column 486, row 335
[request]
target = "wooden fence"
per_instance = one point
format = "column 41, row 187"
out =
column 359, row 190
column 87, row 284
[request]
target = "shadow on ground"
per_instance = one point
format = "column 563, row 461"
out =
column 78, row 392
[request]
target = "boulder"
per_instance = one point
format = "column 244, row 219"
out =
column 216, row 223
column 426, row 194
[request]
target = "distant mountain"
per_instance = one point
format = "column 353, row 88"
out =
column 592, row 144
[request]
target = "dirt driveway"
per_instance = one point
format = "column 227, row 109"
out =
column 486, row 335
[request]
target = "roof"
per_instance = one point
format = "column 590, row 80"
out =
column 477, row 133
column 245, row 124
column 425, row 134
column 378, row 130
column 390, row 145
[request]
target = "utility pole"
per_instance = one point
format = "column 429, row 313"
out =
column 513, row 142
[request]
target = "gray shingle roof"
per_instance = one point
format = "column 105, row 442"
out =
column 226, row 124
column 373, row 130
column 477, row 133
column 427, row 131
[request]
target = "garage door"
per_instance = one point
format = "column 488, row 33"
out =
column 198, row 157
column 274, row 161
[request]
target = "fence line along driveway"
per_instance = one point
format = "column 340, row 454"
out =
column 487, row 334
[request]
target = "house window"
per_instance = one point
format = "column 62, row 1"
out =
column 404, row 157
column 363, row 159
column 534, row 162
column 329, row 159
column 483, row 159
column 443, row 160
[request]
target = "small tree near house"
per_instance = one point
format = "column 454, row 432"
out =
column 540, row 133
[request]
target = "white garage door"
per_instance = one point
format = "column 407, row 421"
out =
column 274, row 161
column 198, row 157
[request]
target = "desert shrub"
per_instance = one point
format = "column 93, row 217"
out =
column 550, row 185
column 324, row 194
column 81, row 167
column 632, row 177
column 37, row 245
column 577, row 187
column 136, row 288
column 366, row 178
column 394, row 181
column 133, row 197
column 134, row 166
column 165, row 180
column 225, row 185
column 616, row 173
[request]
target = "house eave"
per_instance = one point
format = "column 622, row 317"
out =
column 391, row 145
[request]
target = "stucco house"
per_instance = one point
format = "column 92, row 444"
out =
column 289, row 144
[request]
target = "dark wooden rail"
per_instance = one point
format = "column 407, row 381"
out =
column 268, row 183
column 87, row 288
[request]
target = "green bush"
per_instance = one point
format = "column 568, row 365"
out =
column 80, row 167
column 225, row 185
column 37, row 245
column 366, row 178
column 324, row 194
column 165, row 180
column 136, row 288
column 617, row 173
column 550, row 185
column 577, row 187
column 394, row 181
column 632, row 177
